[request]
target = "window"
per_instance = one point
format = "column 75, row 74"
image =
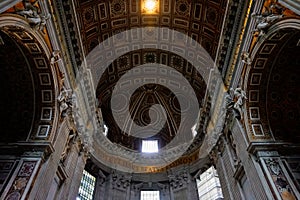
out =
column 150, row 195
column 149, row 146
column 87, row 186
column 208, row 185
column 105, row 130
column 194, row 131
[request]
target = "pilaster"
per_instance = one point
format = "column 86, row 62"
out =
column 277, row 175
column 182, row 185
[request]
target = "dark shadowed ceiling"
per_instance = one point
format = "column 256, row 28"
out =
column 17, row 102
column 274, row 87
column 283, row 99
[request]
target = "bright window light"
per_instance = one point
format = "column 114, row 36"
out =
column 87, row 186
column 105, row 130
column 150, row 6
column 150, row 195
column 194, row 130
column 209, row 186
column 150, row 146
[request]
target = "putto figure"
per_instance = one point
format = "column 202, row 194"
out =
column 264, row 20
column 33, row 15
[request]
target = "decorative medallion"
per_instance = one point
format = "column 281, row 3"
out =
column 150, row 58
column 118, row 8
column 88, row 15
column 211, row 15
column 182, row 8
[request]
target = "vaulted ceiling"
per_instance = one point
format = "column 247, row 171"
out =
column 148, row 95
column 273, row 87
column 27, row 108
column 283, row 99
column 200, row 19
column 17, row 105
column 99, row 20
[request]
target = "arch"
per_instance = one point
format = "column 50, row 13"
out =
column 36, row 54
column 265, row 56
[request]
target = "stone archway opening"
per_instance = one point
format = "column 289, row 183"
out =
column 28, row 87
column 17, row 88
column 273, row 87
column 273, row 107
column 283, row 91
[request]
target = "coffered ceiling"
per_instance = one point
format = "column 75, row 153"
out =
column 98, row 20
column 201, row 20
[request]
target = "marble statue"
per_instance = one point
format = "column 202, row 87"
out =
column 264, row 20
column 36, row 19
column 65, row 100
column 246, row 58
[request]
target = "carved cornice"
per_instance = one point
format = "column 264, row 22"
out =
column 28, row 149
column 68, row 25
column 179, row 180
column 229, row 37
column 224, row 45
column 255, row 147
column 217, row 150
column 121, row 181
column 239, row 40
column 163, row 188
column 137, row 187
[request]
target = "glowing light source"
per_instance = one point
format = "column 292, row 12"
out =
column 150, row 6
column 149, row 146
